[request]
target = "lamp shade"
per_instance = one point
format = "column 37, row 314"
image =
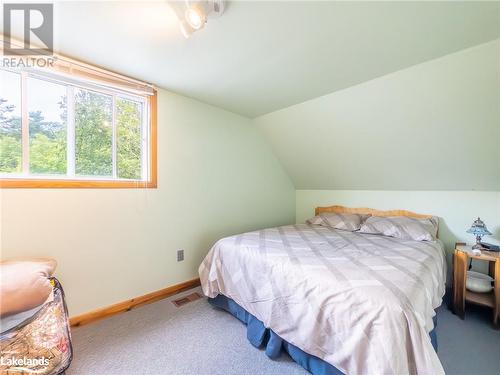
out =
column 478, row 228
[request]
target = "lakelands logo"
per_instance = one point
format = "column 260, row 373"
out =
column 36, row 23
column 23, row 363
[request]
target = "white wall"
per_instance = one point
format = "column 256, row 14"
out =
column 216, row 177
column 433, row 126
column 456, row 209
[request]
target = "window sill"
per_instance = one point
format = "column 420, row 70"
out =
column 75, row 184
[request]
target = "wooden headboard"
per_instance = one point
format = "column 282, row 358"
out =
column 370, row 211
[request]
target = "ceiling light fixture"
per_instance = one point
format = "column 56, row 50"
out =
column 193, row 15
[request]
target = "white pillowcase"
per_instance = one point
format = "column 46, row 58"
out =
column 349, row 222
column 405, row 228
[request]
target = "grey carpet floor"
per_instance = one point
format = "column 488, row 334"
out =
column 198, row 339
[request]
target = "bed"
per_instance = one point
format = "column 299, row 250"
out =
column 339, row 302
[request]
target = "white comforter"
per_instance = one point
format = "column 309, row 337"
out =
column 363, row 303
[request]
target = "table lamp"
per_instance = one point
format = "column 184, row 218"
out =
column 479, row 230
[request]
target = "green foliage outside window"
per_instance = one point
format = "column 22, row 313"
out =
column 10, row 139
column 10, row 154
column 47, row 144
column 48, row 155
column 93, row 146
column 128, row 143
column 93, row 138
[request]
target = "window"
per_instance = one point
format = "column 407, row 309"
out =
column 59, row 130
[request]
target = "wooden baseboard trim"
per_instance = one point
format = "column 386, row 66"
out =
column 130, row 304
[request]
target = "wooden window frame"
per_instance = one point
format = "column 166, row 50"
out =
column 62, row 183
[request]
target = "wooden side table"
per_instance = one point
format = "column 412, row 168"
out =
column 460, row 294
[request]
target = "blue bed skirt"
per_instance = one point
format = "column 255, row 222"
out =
column 260, row 336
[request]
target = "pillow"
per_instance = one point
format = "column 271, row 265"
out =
column 24, row 284
column 405, row 228
column 350, row 222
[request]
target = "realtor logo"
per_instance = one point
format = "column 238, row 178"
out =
column 35, row 22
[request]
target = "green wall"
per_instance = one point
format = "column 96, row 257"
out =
column 217, row 177
column 434, row 126
column 424, row 138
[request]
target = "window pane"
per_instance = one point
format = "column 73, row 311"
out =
column 10, row 122
column 128, row 138
column 93, row 128
column 47, row 124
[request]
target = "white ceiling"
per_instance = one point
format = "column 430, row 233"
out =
column 263, row 56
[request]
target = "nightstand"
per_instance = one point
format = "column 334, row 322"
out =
column 461, row 295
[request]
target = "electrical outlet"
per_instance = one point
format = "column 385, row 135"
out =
column 180, row 255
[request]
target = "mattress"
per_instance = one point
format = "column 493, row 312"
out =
column 363, row 303
column 273, row 345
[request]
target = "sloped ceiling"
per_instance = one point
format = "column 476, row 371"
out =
column 434, row 126
column 263, row 56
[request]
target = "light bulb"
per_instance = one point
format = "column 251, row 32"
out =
column 195, row 18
